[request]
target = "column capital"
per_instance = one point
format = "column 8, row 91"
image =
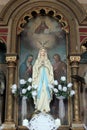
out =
column 75, row 58
column 11, row 58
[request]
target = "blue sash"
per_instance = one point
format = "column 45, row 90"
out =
column 43, row 79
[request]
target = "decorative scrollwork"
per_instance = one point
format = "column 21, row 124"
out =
column 75, row 58
column 11, row 58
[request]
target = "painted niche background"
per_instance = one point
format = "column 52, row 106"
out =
column 39, row 30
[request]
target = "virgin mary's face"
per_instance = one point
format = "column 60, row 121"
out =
column 42, row 52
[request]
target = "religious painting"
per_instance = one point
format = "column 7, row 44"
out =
column 44, row 31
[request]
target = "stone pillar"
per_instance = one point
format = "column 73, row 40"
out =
column 76, row 123
column 9, row 104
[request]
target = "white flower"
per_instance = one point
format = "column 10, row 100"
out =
column 34, row 93
column 25, row 122
column 50, row 86
column 63, row 78
column 60, row 87
column 22, row 81
column 72, row 92
column 35, row 86
column 57, row 122
column 14, row 87
column 64, row 89
column 30, row 80
column 29, row 88
column 24, row 91
column 55, row 82
column 69, row 85
column 55, row 90
column 13, row 91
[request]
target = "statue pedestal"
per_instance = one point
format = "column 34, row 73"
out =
column 43, row 121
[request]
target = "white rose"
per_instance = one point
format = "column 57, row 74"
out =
column 34, row 93
column 69, row 85
column 24, row 91
column 64, row 89
column 14, row 87
column 57, row 123
column 55, row 90
column 25, row 122
column 13, row 91
column 29, row 88
column 63, row 78
column 60, row 87
column 72, row 92
column 35, row 86
column 30, row 80
column 55, row 82
column 22, row 81
column 50, row 86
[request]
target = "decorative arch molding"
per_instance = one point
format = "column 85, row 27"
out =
column 72, row 11
column 42, row 11
column 73, row 14
column 12, row 5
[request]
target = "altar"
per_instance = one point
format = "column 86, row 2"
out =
column 42, row 52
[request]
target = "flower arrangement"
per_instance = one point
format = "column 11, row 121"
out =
column 26, row 89
column 63, row 89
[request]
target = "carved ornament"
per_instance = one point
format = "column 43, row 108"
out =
column 11, row 58
column 42, row 11
column 75, row 58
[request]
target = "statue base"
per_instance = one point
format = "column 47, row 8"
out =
column 43, row 121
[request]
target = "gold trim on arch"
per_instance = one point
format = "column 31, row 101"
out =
column 63, row 20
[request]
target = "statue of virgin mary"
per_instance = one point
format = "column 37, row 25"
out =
column 42, row 77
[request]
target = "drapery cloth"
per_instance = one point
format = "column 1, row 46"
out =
column 24, row 108
column 61, row 107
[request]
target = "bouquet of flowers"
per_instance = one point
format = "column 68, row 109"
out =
column 63, row 89
column 26, row 89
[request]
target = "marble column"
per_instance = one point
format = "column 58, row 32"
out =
column 76, row 123
column 11, row 60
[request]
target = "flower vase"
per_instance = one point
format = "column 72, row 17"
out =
column 24, row 107
column 61, row 107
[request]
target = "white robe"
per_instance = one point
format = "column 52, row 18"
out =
column 44, row 93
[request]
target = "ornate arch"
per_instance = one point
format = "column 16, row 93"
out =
column 9, row 9
column 15, row 11
column 72, row 11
